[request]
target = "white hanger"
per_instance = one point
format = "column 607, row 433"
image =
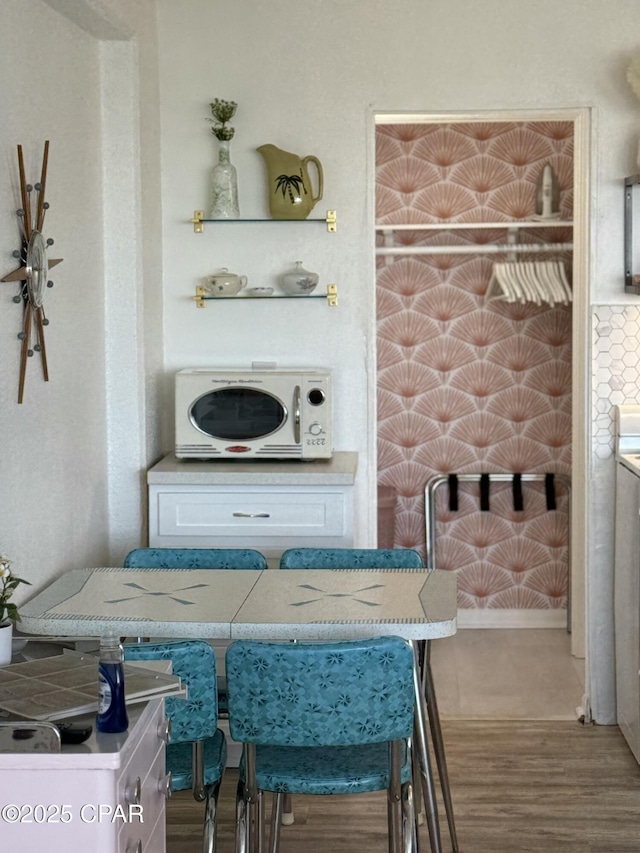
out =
column 510, row 273
column 500, row 280
column 565, row 281
column 532, row 282
column 549, row 285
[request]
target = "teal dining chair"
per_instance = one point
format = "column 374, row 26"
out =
column 351, row 558
column 322, row 718
column 195, row 558
column 384, row 558
column 197, row 751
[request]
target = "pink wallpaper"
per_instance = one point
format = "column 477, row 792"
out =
column 467, row 385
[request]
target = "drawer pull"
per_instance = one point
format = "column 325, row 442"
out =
column 132, row 793
column 164, row 731
column 251, row 515
column 164, row 786
column 135, row 848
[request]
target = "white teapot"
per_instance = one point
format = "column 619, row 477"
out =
column 225, row 283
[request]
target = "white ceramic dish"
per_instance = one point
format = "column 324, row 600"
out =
column 260, row 291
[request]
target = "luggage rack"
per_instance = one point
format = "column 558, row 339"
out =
column 430, row 510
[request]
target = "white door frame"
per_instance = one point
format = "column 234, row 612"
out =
column 581, row 359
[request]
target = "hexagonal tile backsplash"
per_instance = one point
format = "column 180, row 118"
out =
column 616, row 365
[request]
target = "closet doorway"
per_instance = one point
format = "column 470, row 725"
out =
column 468, row 383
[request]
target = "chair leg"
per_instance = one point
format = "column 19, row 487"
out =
column 260, row 822
column 417, row 802
column 255, row 801
column 409, row 824
column 287, row 811
column 276, row 820
column 394, row 799
column 197, row 764
column 211, row 817
column 242, row 820
column 438, row 746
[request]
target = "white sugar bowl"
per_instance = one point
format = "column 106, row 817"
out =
column 225, row 283
column 299, row 282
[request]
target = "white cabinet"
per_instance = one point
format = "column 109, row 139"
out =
column 268, row 506
column 627, row 605
column 81, row 788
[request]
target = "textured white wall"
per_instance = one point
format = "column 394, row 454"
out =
column 73, row 453
column 53, row 461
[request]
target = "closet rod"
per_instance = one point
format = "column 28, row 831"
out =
column 468, row 226
column 487, row 248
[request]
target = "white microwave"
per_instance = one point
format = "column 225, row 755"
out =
column 258, row 414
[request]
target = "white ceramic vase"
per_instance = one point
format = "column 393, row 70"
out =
column 224, row 186
column 299, row 282
column 6, row 637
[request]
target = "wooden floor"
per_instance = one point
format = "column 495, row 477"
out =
column 526, row 776
column 517, row 787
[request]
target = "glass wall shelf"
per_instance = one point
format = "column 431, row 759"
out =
column 202, row 296
column 199, row 219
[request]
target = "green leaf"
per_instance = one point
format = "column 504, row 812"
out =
column 12, row 612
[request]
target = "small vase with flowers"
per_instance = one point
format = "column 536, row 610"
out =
column 8, row 611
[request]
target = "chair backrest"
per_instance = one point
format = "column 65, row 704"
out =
column 195, row 558
column 195, row 717
column 29, row 737
column 351, row 558
column 320, row 694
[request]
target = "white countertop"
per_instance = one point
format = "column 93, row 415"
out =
column 340, row 470
column 101, row 751
column 630, row 461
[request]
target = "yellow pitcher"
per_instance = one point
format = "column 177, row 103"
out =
column 289, row 184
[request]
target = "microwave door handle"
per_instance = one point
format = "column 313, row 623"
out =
column 296, row 414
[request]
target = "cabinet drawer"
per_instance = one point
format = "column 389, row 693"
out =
column 142, row 757
column 260, row 514
column 153, row 803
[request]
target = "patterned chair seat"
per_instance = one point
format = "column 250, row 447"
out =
column 180, row 762
column 317, row 770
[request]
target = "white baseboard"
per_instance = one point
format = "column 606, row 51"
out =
column 498, row 618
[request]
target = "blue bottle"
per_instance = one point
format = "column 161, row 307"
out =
column 112, row 711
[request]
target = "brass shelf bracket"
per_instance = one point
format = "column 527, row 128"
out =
column 332, row 295
column 198, row 224
column 631, row 282
column 332, row 221
column 200, row 295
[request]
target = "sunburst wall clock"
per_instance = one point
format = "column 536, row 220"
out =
column 33, row 271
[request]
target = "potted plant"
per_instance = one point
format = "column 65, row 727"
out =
column 8, row 611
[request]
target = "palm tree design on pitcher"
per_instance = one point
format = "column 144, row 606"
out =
column 287, row 182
